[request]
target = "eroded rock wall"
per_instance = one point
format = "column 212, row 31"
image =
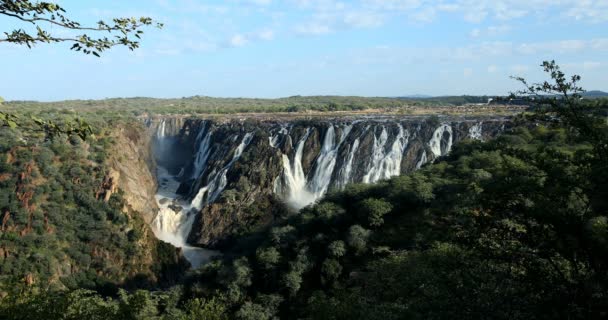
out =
column 240, row 174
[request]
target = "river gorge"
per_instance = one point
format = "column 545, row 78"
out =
column 217, row 177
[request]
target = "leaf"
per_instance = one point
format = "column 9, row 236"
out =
column 12, row 124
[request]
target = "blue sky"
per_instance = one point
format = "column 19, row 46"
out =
column 274, row 48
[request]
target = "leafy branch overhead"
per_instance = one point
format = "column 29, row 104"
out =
column 121, row 31
column 561, row 96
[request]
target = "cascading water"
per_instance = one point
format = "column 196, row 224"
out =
column 295, row 180
column 175, row 218
column 326, row 162
column 346, row 171
column 301, row 170
column 204, row 149
column 475, row 131
column 386, row 164
column 423, row 159
column 436, row 145
column 176, row 215
column 218, row 181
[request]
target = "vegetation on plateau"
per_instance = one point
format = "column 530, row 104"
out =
column 513, row 228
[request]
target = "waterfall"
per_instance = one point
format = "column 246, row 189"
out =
column 360, row 151
column 174, row 220
column 386, row 164
column 204, row 149
column 346, row 171
column 475, row 131
column 218, row 181
column 295, row 180
column 302, row 190
column 423, row 159
column 160, row 131
column 436, row 141
column 275, row 139
column 326, row 161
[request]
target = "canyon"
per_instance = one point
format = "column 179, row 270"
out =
column 221, row 177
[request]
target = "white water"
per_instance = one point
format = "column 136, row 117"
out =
column 347, row 170
column 301, row 190
column 218, row 181
column 173, row 226
column 295, row 180
column 386, row 164
column 475, row 131
column 326, row 162
column 435, row 142
column 423, row 159
column 204, row 149
column 383, row 160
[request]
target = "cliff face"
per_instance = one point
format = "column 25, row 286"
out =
column 131, row 172
column 238, row 174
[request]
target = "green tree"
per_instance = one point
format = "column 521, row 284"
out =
column 293, row 281
column 330, row 270
column 337, row 249
column 201, row 309
column 268, row 257
column 357, row 238
column 374, row 209
column 122, row 31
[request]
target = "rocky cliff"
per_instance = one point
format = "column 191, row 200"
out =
column 132, row 172
column 233, row 175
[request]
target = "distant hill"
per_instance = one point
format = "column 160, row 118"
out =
column 595, row 94
column 415, row 96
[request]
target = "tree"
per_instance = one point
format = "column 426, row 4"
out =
column 38, row 15
column 337, row 249
column 330, row 270
column 374, row 209
column 357, row 238
column 563, row 97
column 293, row 281
column 123, row 31
column 268, row 257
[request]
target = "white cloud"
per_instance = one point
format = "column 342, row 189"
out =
column 266, row 34
column 492, row 69
column 242, row 39
column 362, row 19
column 238, row 40
column 518, row 69
column 260, row 2
column 590, row 65
column 313, row 28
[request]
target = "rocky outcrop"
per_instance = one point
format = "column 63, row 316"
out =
column 132, row 168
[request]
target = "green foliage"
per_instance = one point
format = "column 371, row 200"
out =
column 374, row 210
column 57, row 230
column 337, row 249
column 513, row 228
column 40, row 13
column 201, row 309
column 330, row 270
column 268, row 257
column 357, row 238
